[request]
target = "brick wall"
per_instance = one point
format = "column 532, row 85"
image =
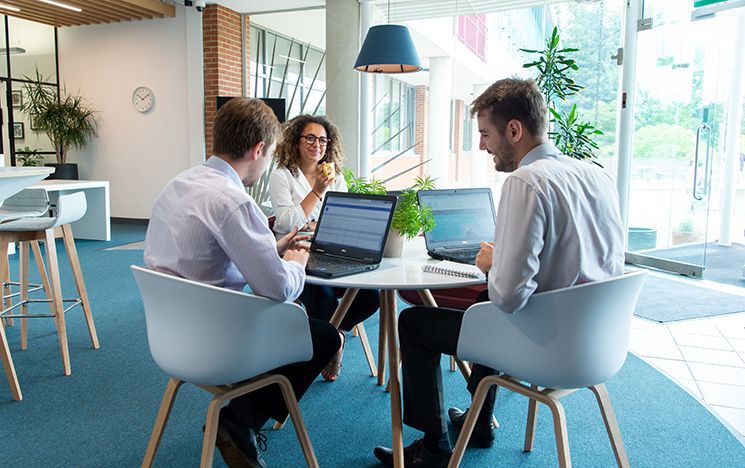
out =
column 420, row 131
column 223, row 64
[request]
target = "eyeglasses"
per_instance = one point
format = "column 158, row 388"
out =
column 311, row 139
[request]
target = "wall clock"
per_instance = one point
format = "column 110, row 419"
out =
column 143, row 99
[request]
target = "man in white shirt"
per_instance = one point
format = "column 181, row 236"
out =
column 558, row 224
column 205, row 227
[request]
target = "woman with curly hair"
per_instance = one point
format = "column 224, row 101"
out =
column 309, row 165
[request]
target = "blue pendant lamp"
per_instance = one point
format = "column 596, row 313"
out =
column 388, row 48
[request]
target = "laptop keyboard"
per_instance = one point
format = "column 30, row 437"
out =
column 323, row 261
column 460, row 256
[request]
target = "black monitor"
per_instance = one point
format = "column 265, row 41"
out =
column 276, row 104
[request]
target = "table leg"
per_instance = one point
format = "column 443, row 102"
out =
column 341, row 311
column 389, row 303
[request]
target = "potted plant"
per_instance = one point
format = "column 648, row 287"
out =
column 685, row 232
column 409, row 219
column 571, row 136
column 29, row 157
column 66, row 120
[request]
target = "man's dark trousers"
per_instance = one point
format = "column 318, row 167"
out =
column 425, row 333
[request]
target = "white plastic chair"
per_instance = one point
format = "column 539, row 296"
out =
column 214, row 337
column 30, row 230
column 561, row 341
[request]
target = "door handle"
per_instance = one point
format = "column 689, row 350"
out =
column 703, row 128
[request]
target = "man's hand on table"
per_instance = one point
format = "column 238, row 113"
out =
column 484, row 257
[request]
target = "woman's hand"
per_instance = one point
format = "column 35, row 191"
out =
column 291, row 241
column 324, row 179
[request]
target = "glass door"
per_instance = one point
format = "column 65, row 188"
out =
column 684, row 70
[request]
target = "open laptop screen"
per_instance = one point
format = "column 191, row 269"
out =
column 463, row 217
column 354, row 225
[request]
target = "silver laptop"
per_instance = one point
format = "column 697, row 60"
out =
column 463, row 219
column 350, row 234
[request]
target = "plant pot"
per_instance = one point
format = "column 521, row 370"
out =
column 686, row 237
column 394, row 244
column 67, row 171
column 641, row 238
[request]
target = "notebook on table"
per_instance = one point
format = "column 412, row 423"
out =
column 463, row 219
column 446, row 267
column 350, row 234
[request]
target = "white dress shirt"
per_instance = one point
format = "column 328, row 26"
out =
column 205, row 227
column 287, row 191
column 558, row 224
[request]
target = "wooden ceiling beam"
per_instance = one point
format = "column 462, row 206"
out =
column 93, row 11
column 44, row 15
column 96, row 9
column 43, row 10
column 159, row 8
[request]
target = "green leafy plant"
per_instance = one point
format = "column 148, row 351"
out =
column 410, row 218
column 29, row 157
column 64, row 118
column 571, row 136
column 362, row 185
column 687, row 224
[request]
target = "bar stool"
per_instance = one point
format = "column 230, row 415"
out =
column 70, row 208
column 28, row 203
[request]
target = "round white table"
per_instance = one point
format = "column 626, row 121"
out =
column 393, row 274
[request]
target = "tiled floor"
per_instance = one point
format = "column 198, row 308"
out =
column 705, row 356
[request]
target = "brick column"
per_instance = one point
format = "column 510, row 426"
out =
column 223, row 65
column 420, row 127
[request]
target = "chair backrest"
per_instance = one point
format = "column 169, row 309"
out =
column 567, row 338
column 27, row 202
column 214, row 336
column 70, row 208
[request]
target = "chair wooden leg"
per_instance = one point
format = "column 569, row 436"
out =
column 23, row 273
column 10, row 371
column 465, row 432
column 41, row 268
column 560, row 430
column 297, row 421
column 72, row 254
column 6, row 287
column 355, row 331
column 367, row 350
column 611, row 425
column 453, row 365
column 169, row 396
column 51, row 249
column 381, row 348
column 278, row 425
column 530, row 425
column 210, row 433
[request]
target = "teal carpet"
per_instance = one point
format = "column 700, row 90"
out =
column 101, row 416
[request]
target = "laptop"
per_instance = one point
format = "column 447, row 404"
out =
column 350, row 234
column 463, row 219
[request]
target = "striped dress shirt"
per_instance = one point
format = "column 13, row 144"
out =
column 206, row 228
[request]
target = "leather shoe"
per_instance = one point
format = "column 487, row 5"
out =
column 237, row 445
column 416, row 455
column 482, row 435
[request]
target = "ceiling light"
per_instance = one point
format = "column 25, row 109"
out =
column 13, row 50
column 388, row 48
column 62, row 5
column 8, row 7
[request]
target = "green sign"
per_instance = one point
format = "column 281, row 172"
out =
column 701, row 3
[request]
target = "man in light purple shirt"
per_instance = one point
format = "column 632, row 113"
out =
column 558, row 224
column 205, row 227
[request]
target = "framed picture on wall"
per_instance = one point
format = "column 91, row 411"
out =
column 34, row 122
column 16, row 98
column 18, row 132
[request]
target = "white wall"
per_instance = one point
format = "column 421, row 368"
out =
column 138, row 153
